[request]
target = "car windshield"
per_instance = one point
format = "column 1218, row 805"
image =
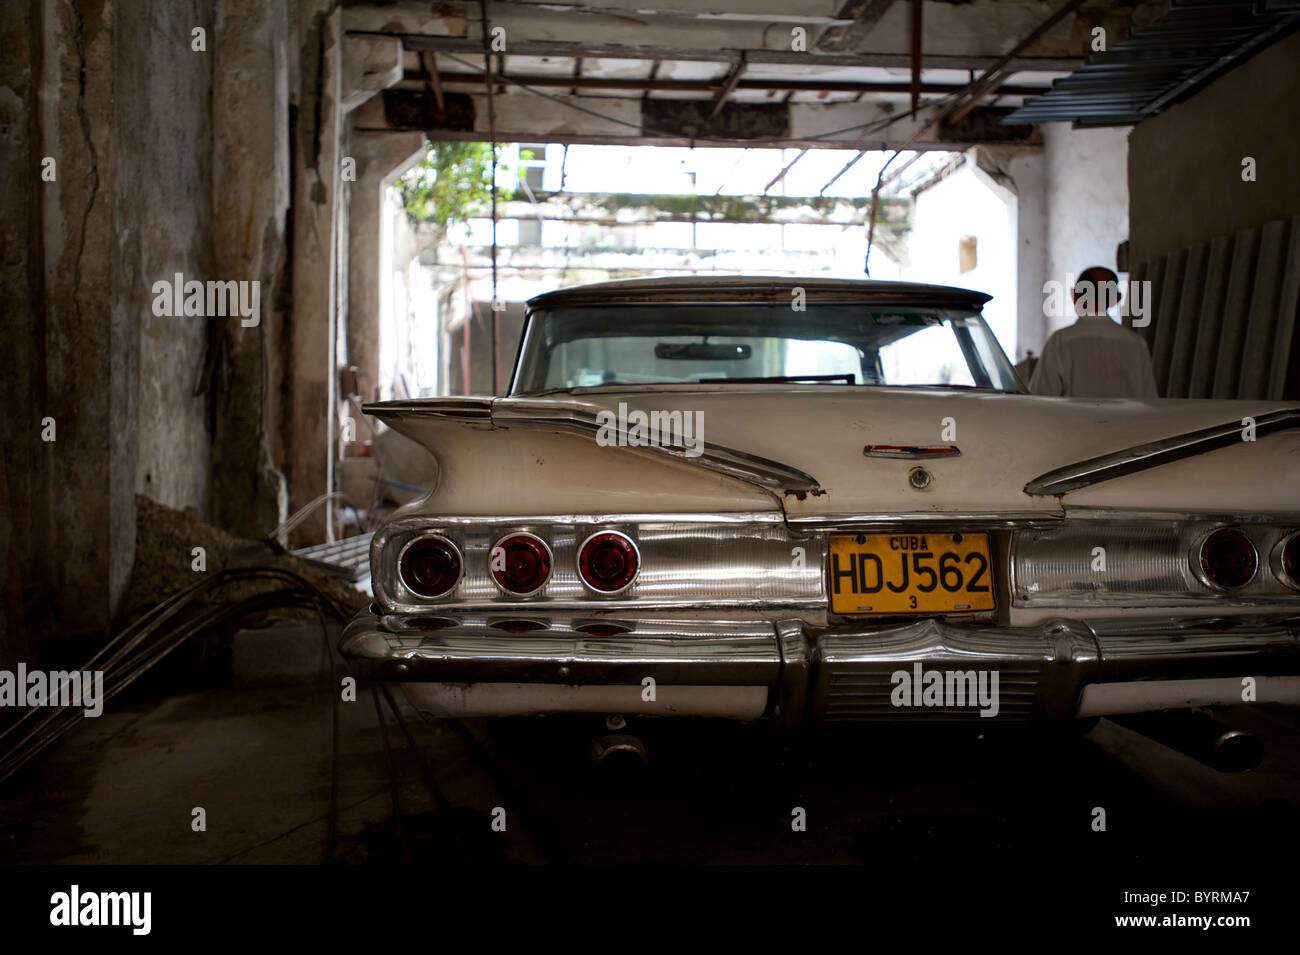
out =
column 592, row 346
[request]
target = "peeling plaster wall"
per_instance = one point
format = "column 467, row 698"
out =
column 250, row 202
column 83, row 351
column 113, row 92
column 24, row 461
column 311, row 430
column 163, row 225
column 380, row 159
column 1087, row 201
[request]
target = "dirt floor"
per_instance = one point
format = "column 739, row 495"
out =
column 123, row 789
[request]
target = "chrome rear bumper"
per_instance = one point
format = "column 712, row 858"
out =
column 1062, row 669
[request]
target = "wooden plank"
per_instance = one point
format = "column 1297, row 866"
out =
column 1188, row 319
column 1134, row 277
column 1236, row 309
column 1252, row 378
column 1155, row 274
column 1288, row 312
column 1201, row 379
column 1166, row 318
column 728, row 85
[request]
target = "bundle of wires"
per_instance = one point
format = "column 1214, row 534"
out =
column 157, row 633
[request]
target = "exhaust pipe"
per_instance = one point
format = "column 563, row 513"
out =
column 1198, row 735
column 620, row 754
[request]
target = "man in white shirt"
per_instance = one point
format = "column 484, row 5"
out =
column 1095, row 357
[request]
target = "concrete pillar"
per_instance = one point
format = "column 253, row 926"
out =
column 1029, row 172
column 88, row 347
column 380, row 159
column 311, row 371
column 250, row 199
column 25, row 555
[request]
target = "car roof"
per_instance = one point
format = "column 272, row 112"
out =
column 756, row 289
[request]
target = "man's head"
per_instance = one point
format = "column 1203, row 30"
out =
column 1096, row 291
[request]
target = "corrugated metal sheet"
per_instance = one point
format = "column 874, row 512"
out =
column 348, row 558
column 1224, row 314
column 1159, row 64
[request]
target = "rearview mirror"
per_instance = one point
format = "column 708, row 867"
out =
column 703, row 352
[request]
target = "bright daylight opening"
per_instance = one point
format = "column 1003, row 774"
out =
column 570, row 215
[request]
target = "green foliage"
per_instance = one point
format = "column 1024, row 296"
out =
column 452, row 183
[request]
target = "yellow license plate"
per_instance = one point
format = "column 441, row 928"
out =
column 910, row 573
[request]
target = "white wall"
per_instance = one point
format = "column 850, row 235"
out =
column 1087, row 201
column 963, row 204
column 1027, row 179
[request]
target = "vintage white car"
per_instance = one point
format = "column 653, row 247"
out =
column 817, row 500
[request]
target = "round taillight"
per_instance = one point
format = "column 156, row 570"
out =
column 1289, row 558
column 608, row 561
column 1228, row 559
column 429, row 566
column 520, row 563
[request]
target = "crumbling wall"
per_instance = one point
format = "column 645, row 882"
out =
column 139, row 141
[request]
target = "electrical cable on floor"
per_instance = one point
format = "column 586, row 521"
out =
column 392, row 777
column 146, row 641
column 332, row 809
column 156, row 633
column 439, row 798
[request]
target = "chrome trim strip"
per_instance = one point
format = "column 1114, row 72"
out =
column 1211, row 517
column 1045, row 667
column 1141, row 457
column 665, row 517
column 580, row 418
column 573, row 417
column 1154, row 649
column 960, row 520
column 468, row 408
column 712, row 652
column 911, row 452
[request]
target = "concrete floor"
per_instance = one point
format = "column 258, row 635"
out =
column 121, row 789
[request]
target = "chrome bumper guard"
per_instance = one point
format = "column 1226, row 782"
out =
column 1060, row 669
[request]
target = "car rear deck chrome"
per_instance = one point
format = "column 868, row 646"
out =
column 1141, row 457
